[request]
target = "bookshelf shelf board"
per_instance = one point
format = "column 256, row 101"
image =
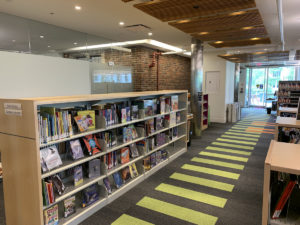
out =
column 287, row 109
column 122, row 166
column 287, row 122
column 165, row 129
column 106, row 129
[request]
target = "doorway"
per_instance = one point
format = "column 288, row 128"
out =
column 262, row 83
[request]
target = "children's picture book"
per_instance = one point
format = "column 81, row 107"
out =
column 134, row 112
column 142, row 146
column 129, row 133
column 162, row 105
column 118, row 180
column 90, row 195
column 107, row 185
column 147, row 163
column 78, row 175
column 125, row 173
column 125, row 155
column 82, row 123
column 134, row 150
column 76, row 149
column 128, row 114
column 124, row 115
column 51, row 215
column 94, row 168
column 50, row 158
column 149, row 107
column 69, row 206
column 133, row 171
column 59, row 186
column 92, row 144
column 89, row 116
column 174, row 101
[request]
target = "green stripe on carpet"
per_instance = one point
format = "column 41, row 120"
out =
column 178, row 212
column 241, row 134
column 241, row 138
column 215, row 172
column 192, row 195
column 233, row 146
column 236, row 141
column 218, row 163
column 238, row 128
column 202, row 181
column 228, row 150
column 246, row 132
column 222, row 156
column 129, row 220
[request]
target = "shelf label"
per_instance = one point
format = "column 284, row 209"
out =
column 13, row 109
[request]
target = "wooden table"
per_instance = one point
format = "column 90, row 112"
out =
column 286, row 110
column 281, row 157
column 285, row 122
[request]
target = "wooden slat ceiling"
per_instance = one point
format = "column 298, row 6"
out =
column 237, row 43
column 168, row 10
column 257, row 57
column 127, row 0
column 297, row 56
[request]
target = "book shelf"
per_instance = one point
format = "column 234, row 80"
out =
column 21, row 145
column 286, row 122
column 288, row 94
column 204, row 114
column 287, row 112
column 282, row 158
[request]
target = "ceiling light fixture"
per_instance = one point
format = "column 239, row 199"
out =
column 247, row 28
column 183, row 21
column 254, row 39
column 121, row 23
column 237, row 13
column 13, row 40
column 75, row 43
column 41, row 36
column 150, row 34
column 204, row 33
column 78, row 7
column 49, row 46
column 219, row 42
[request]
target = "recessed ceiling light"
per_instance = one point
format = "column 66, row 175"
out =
column 183, row 21
column 49, row 46
column 121, row 23
column 75, row 43
column 203, row 33
column 13, row 40
column 219, row 42
column 41, row 36
column 254, row 39
column 150, row 33
column 77, row 7
column 237, row 13
column 247, row 28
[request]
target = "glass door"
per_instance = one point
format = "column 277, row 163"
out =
column 257, row 87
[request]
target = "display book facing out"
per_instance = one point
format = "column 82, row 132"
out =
column 82, row 152
column 281, row 194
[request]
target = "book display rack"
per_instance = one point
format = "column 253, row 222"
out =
column 288, row 94
column 204, row 117
column 281, row 185
column 64, row 158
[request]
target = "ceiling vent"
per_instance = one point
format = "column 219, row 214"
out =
column 138, row 28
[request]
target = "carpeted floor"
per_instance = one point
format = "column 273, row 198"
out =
column 198, row 197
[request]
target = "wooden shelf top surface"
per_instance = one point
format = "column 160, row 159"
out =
column 288, row 109
column 284, row 157
column 287, row 121
column 95, row 97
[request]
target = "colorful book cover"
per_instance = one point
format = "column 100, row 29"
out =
column 125, row 155
column 69, row 206
column 153, row 159
column 92, row 144
column 51, row 216
column 174, row 101
column 76, row 149
column 124, row 115
column 147, row 163
column 133, row 171
column 89, row 116
column 125, row 173
column 78, row 175
column 94, row 168
column 81, row 123
column 128, row 116
column 133, row 150
column 162, row 105
column 118, row 180
column 134, row 112
column 107, row 185
column 149, row 107
column 90, row 195
column 50, row 158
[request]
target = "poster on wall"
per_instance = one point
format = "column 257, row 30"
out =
column 212, row 82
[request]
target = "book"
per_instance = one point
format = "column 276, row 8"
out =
column 69, row 206
column 90, row 195
column 125, row 173
column 82, row 123
column 172, row 119
column 124, row 155
column 168, row 104
column 128, row 114
column 89, row 116
column 162, row 105
column 158, row 157
column 51, row 215
column 134, row 112
column 164, row 154
column 150, row 127
column 159, row 123
column 76, row 149
column 124, row 115
column 118, row 180
column 153, row 159
column 142, row 146
column 147, row 163
column 129, row 133
column 149, row 107
column 178, row 119
column 133, row 171
column 50, row 158
column 151, row 143
column 283, row 199
column 59, row 186
column 160, row 139
column 174, row 102
column 107, row 185
column 94, row 168
column 134, row 150
column 92, row 144
column 78, row 175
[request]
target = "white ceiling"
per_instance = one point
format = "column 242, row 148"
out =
column 102, row 17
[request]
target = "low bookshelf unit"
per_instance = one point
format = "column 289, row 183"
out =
column 64, row 158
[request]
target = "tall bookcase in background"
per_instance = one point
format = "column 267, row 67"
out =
column 21, row 147
column 288, row 94
column 204, row 116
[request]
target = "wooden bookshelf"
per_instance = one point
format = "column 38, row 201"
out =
column 20, row 149
column 289, row 110
column 285, row 122
column 288, row 94
column 281, row 157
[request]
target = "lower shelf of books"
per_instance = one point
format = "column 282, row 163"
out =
column 79, row 202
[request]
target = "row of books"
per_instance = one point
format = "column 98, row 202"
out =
column 154, row 159
column 289, row 85
column 56, row 123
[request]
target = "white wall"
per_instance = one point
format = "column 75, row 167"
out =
column 26, row 75
column 229, row 89
column 242, row 85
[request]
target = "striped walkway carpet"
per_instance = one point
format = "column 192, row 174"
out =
column 218, row 182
